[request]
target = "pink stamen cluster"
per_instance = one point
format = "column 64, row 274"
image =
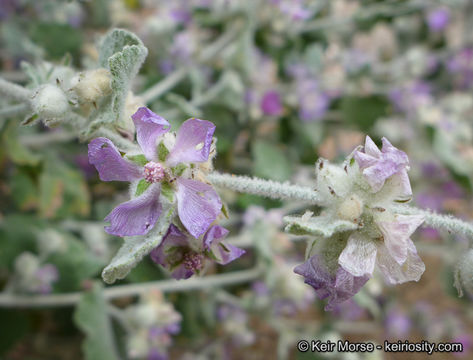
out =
column 193, row 261
column 154, row 172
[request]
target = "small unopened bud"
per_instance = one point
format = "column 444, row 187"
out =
column 91, row 86
column 351, row 208
column 464, row 274
column 50, row 102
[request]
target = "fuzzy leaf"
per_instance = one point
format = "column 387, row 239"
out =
column 320, row 225
column 91, row 317
column 137, row 247
column 123, row 53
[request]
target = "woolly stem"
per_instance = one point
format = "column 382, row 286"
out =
column 438, row 221
column 267, row 188
column 14, row 91
column 36, row 301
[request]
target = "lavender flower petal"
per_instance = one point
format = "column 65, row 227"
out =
column 225, row 253
column 149, row 127
column 198, row 205
column 411, row 270
column 337, row 288
column 192, row 143
column 137, row 216
column 110, row 164
column 396, row 235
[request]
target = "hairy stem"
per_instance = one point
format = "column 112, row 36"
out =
column 439, row 221
column 35, row 301
column 14, row 91
column 267, row 188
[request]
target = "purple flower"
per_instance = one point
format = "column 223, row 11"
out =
column 461, row 65
column 294, row 9
column 271, row 103
column 438, row 19
column 46, row 276
column 378, row 166
column 338, row 286
column 184, row 255
column 198, row 204
column 398, row 324
column 313, row 104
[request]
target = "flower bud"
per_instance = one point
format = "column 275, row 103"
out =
column 50, row 102
column 91, row 86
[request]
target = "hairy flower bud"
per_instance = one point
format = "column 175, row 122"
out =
column 90, row 86
column 50, row 103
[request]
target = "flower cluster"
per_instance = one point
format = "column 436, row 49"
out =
column 173, row 166
column 152, row 323
column 359, row 228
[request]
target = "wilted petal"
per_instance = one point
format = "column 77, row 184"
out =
column 192, row 142
column 149, row 127
column 110, row 164
column 346, row 286
column 411, row 270
column 337, row 288
column 396, row 234
column 224, row 253
column 371, row 148
column 364, row 160
column 137, row 216
column 198, row 205
column 359, row 255
column 170, row 253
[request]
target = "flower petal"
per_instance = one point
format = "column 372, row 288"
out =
column 359, row 255
column 396, row 234
column 198, row 205
column 371, row 148
column 171, row 251
column 346, row 286
column 316, row 275
column 214, row 235
column 110, row 164
column 149, row 126
column 364, row 160
column 137, row 216
column 411, row 270
column 192, row 142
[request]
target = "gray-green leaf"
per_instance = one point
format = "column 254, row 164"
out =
column 320, row 225
column 91, row 317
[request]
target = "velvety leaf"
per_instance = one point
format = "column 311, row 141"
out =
column 91, row 317
column 319, row 225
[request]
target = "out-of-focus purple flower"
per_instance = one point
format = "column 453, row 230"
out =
column 166, row 66
column 271, row 103
column 184, row 256
column 378, row 166
column 294, row 9
column 348, row 310
column 46, row 276
column 7, row 7
column 466, row 341
column 461, row 66
column 255, row 213
column 337, row 286
column 398, row 324
column 313, row 103
column 184, row 46
column 235, row 324
column 411, row 97
column 198, row 204
column 438, row 19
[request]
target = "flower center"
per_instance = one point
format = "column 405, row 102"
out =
column 351, row 208
column 154, row 172
column 193, row 261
